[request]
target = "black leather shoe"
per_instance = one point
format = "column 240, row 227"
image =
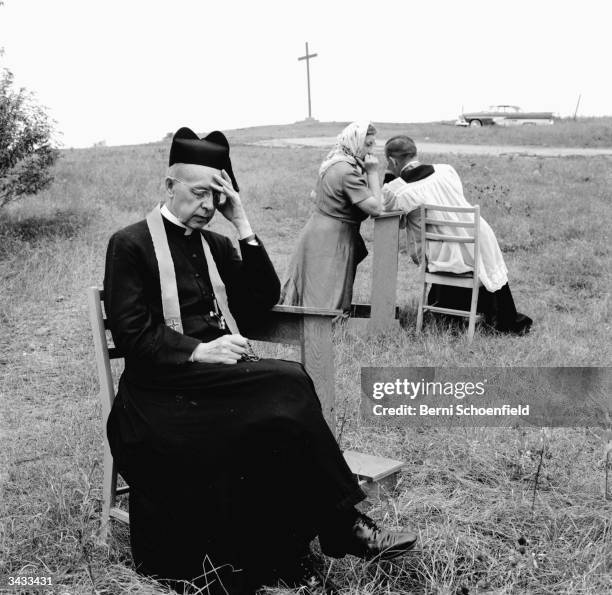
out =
column 367, row 540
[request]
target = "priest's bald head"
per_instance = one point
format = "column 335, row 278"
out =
column 193, row 162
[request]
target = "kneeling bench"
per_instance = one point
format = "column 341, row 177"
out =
column 308, row 328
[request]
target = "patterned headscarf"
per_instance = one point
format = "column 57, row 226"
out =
column 349, row 147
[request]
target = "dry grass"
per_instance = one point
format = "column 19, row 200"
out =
column 468, row 492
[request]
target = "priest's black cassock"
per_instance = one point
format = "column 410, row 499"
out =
column 232, row 468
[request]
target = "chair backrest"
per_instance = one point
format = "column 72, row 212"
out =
column 104, row 352
column 427, row 220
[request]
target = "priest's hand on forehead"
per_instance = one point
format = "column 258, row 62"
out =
column 223, row 184
column 229, row 203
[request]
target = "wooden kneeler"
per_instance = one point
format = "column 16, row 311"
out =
column 308, row 328
column 382, row 314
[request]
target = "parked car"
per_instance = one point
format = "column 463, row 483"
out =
column 505, row 115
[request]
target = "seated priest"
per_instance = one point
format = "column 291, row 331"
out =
column 408, row 184
column 232, row 467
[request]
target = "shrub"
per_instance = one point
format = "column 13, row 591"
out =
column 26, row 146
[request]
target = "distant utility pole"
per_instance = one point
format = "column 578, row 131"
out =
column 307, row 57
column 576, row 110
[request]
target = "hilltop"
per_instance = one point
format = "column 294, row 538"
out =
column 584, row 132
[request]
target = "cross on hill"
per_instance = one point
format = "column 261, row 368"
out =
column 307, row 57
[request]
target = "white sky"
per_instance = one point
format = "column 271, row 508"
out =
column 128, row 71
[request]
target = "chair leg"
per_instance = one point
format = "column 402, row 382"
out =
column 419, row 323
column 472, row 319
column 471, row 328
column 109, row 487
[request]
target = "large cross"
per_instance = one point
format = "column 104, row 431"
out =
column 307, row 57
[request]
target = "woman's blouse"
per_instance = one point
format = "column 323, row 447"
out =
column 340, row 190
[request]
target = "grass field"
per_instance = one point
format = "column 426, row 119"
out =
column 469, row 493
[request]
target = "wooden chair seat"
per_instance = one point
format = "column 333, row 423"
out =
column 466, row 275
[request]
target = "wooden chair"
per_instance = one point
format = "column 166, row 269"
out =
column 469, row 280
column 308, row 328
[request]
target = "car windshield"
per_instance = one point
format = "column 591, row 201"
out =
column 504, row 108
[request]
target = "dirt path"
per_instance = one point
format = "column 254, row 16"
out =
column 328, row 141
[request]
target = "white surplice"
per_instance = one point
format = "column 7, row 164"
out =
column 444, row 187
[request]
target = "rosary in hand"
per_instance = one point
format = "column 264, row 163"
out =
column 249, row 356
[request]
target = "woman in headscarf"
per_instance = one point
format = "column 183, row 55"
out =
column 323, row 266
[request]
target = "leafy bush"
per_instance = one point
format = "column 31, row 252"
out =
column 26, row 146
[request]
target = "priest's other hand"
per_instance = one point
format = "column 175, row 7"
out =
column 227, row 349
column 230, row 205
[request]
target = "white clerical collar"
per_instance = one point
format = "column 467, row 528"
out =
column 165, row 211
column 411, row 164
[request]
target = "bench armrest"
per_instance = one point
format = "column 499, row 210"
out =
column 303, row 311
column 287, row 324
column 387, row 214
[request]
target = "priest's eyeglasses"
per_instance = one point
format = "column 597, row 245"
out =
column 198, row 192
